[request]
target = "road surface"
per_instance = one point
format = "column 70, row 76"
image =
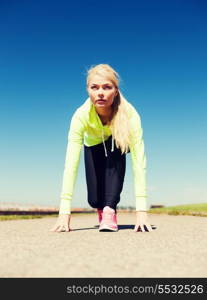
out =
column 177, row 247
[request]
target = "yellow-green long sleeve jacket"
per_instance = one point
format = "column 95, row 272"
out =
column 87, row 129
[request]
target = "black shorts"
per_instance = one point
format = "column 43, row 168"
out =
column 104, row 175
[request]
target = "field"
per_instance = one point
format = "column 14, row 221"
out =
column 190, row 210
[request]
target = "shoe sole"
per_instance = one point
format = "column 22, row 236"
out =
column 105, row 228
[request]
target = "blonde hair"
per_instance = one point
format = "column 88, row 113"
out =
column 119, row 124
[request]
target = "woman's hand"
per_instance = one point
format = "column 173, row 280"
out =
column 62, row 223
column 142, row 222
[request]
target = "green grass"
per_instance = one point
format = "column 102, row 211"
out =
column 21, row 217
column 188, row 209
column 30, row 216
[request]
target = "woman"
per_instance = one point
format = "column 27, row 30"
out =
column 109, row 127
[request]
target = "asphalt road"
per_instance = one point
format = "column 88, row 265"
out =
column 176, row 248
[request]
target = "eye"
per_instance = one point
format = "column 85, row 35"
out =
column 108, row 87
column 93, row 87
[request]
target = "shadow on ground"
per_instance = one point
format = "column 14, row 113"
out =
column 120, row 227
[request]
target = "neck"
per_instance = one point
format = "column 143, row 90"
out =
column 105, row 113
column 105, row 116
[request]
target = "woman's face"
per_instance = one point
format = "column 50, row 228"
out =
column 101, row 91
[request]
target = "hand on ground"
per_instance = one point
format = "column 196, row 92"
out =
column 62, row 223
column 142, row 222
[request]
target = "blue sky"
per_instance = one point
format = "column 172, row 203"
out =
column 159, row 49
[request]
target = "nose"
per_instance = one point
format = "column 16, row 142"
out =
column 100, row 93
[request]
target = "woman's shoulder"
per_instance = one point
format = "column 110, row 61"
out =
column 83, row 110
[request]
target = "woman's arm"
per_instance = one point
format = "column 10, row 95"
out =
column 75, row 143
column 138, row 159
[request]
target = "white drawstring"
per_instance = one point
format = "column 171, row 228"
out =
column 112, row 144
column 103, row 142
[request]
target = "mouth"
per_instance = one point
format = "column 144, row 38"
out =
column 101, row 100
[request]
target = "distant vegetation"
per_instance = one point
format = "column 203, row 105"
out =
column 189, row 209
column 21, row 217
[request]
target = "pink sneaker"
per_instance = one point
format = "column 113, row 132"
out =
column 100, row 213
column 109, row 220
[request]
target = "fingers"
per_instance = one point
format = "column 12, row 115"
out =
column 63, row 228
column 67, row 228
column 54, row 228
column 143, row 227
column 136, row 228
column 149, row 227
column 59, row 228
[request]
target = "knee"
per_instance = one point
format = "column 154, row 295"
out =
column 93, row 204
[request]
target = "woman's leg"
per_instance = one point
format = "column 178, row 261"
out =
column 104, row 175
column 114, row 175
column 95, row 164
